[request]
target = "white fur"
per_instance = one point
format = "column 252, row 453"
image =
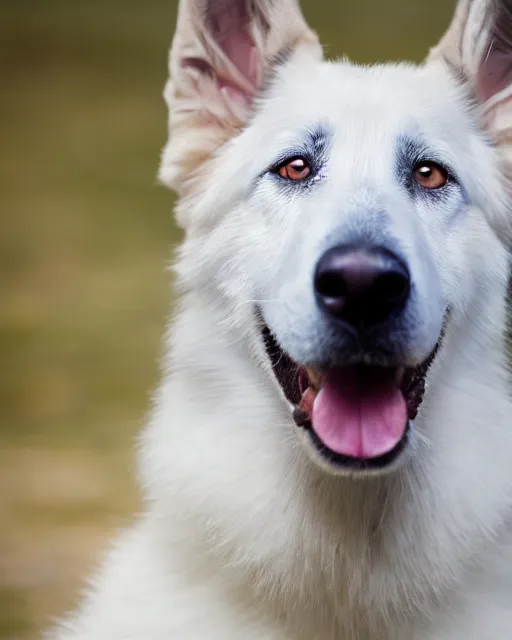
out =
column 243, row 536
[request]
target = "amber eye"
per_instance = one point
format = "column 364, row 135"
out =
column 296, row 169
column 430, row 175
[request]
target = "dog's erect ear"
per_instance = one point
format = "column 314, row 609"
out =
column 221, row 53
column 478, row 46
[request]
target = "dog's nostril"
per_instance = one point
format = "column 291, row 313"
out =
column 393, row 286
column 331, row 285
column 361, row 285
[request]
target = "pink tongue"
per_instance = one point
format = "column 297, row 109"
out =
column 359, row 412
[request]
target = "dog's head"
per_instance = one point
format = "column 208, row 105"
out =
column 347, row 213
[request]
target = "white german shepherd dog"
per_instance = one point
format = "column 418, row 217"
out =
column 330, row 451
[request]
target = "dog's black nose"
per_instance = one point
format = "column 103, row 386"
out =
column 361, row 286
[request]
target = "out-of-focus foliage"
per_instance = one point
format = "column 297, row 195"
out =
column 85, row 237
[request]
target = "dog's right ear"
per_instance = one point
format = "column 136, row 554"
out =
column 221, row 53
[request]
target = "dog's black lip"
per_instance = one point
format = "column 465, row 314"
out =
column 413, row 388
column 285, row 369
column 359, row 464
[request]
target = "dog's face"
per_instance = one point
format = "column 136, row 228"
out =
column 346, row 206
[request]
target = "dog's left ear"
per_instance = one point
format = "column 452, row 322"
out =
column 478, row 48
column 221, row 53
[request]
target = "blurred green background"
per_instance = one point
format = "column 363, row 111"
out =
column 85, row 239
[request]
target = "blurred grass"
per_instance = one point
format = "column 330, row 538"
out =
column 85, row 236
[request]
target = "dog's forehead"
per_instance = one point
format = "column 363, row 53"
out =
column 354, row 98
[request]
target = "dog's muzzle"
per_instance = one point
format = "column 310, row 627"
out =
column 357, row 414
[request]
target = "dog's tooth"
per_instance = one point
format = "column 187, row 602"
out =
column 306, row 403
column 315, row 379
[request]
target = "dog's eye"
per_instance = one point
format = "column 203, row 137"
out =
column 430, row 175
column 296, row 169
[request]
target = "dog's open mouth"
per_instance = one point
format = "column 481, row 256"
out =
column 357, row 416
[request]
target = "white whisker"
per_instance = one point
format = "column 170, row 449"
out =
column 258, row 300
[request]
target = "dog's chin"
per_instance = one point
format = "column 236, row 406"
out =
column 355, row 419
